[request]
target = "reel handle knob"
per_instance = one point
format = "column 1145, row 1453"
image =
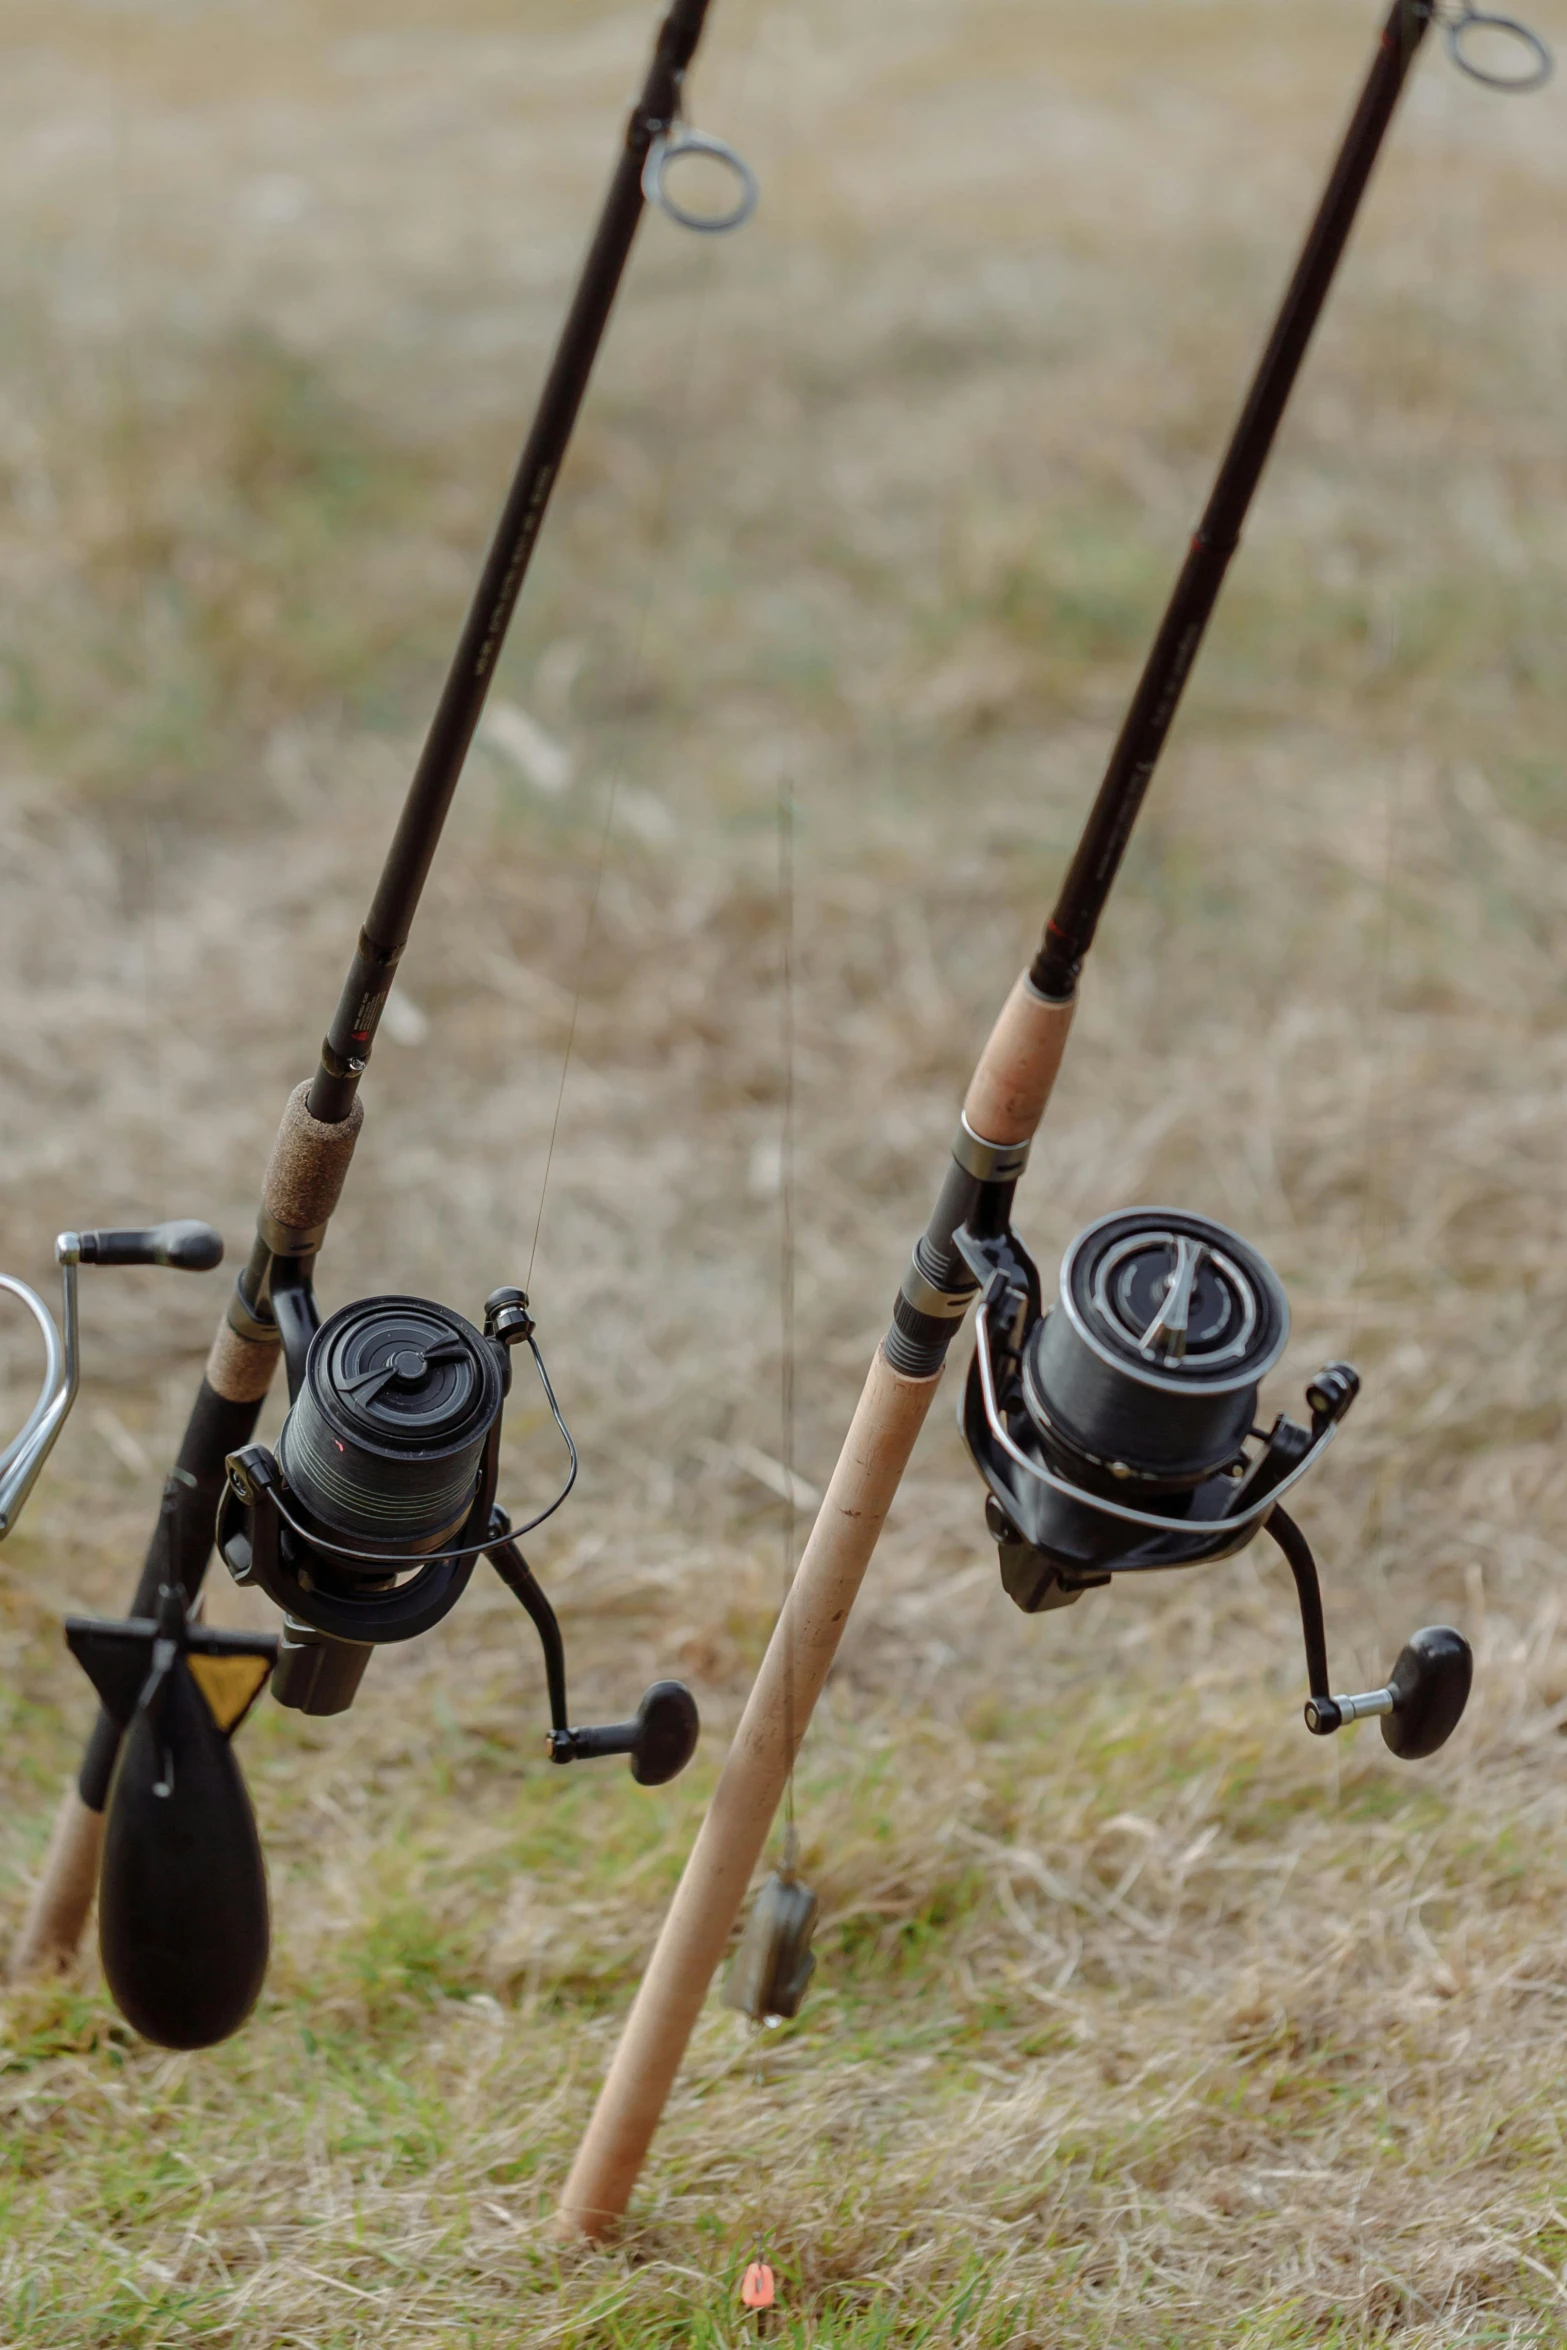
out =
column 660, row 1739
column 184, row 1243
column 1422, row 1703
column 1430, row 1685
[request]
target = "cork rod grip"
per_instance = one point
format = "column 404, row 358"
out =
column 63, row 1895
column 303, row 1184
column 1017, row 1069
column 881, row 1437
column 305, row 1174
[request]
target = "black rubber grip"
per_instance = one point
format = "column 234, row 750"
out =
column 188, row 1246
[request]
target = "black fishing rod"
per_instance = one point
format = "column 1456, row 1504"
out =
column 1070, row 931
column 367, row 1521
column 1116, row 1431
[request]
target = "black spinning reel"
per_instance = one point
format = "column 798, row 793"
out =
column 1116, row 1433
column 367, row 1522
column 364, row 1527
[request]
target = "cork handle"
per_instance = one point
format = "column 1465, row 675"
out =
column 309, row 1162
column 63, row 1895
column 1017, row 1068
column 303, row 1184
column 881, row 1437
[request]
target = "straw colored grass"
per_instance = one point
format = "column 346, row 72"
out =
column 1141, row 2018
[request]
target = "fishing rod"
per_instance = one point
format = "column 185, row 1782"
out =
column 1112, row 1432
column 365, row 1523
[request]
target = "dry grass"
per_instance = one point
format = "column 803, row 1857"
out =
column 1141, row 2019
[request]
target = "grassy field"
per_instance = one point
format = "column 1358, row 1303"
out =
column 1141, row 2018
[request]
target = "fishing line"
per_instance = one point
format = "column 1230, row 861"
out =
column 786, row 1337
column 758, row 2288
column 635, row 677
column 693, row 344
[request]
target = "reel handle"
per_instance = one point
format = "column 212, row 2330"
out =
column 660, row 1738
column 662, row 1734
column 1422, row 1703
column 1424, row 1697
column 189, row 1246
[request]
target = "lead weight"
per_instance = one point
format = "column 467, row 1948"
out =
column 774, row 1963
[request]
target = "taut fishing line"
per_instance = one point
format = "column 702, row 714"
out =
column 655, row 186
column 773, row 1963
column 786, row 1365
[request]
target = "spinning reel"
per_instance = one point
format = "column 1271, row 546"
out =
column 364, row 1527
column 367, row 1522
column 1116, row 1434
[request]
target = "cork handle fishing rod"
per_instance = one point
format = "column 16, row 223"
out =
column 1003, row 1108
column 1010, row 1088
column 322, row 1121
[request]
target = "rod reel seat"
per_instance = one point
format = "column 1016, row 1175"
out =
column 1116, row 1434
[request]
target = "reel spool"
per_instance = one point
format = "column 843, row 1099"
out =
column 1116, row 1432
column 385, row 1440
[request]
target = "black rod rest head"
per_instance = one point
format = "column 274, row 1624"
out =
column 1116, row 1432
column 190, row 1247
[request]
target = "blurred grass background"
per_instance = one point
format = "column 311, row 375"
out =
column 1140, row 2018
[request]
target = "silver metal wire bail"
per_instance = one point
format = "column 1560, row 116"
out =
column 1535, row 66
column 667, row 147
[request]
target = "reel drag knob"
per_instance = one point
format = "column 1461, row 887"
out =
column 1430, row 1685
column 190, row 1247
